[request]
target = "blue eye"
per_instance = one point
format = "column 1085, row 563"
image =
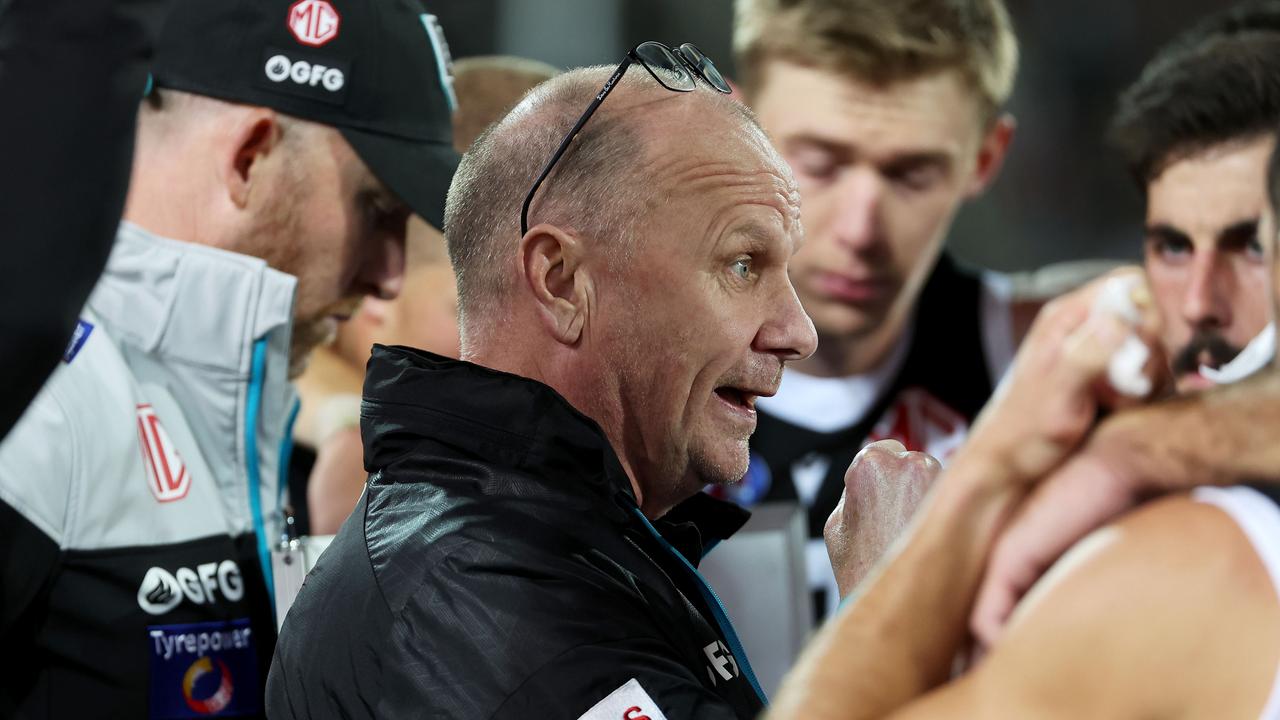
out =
column 742, row 268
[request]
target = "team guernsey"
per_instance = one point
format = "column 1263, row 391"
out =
column 925, row 395
column 1256, row 511
column 138, row 490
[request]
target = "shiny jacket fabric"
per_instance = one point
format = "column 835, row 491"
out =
column 497, row 566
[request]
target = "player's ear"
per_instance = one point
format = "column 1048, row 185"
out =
column 253, row 138
column 991, row 154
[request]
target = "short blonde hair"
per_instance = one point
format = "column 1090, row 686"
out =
column 882, row 41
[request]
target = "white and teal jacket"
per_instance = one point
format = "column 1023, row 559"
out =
column 141, row 489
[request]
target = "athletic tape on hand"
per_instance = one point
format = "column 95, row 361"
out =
column 1125, row 369
column 1251, row 359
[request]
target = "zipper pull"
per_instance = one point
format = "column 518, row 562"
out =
column 289, row 536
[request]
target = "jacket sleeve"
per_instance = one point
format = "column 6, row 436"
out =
column 37, row 462
column 628, row 679
column 72, row 75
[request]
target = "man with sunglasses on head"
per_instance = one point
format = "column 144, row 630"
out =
column 528, row 540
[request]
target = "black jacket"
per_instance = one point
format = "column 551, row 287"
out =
column 497, row 566
column 72, row 73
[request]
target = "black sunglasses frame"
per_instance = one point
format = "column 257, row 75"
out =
column 688, row 60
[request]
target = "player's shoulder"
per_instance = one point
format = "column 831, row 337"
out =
column 1177, row 589
column 71, row 431
column 1207, row 523
column 94, row 388
column 1170, row 546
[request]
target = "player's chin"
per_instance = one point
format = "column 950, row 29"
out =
column 1193, row 382
column 722, row 461
column 832, row 319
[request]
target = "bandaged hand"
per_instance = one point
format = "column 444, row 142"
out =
column 1094, row 348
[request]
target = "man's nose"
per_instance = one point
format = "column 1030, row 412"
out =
column 788, row 332
column 383, row 271
column 1206, row 302
column 858, row 214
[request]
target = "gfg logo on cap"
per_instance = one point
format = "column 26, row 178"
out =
column 280, row 68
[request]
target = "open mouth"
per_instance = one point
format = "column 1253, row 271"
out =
column 848, row 289
column 1209, row 360
column 737, row 397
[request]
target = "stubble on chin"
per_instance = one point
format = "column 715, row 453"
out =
column 306, row 337
column 711, row 470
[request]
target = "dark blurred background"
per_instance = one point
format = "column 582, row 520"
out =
column 1062, row 195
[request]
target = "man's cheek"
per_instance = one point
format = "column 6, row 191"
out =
column 1173, row 340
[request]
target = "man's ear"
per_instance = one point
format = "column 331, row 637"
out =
column 991, row 154
column 253, row 137
column 551, row 263
column 374, row 311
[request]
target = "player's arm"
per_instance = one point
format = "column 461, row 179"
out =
column 1028, row 292
column 1168, row 613
column 897, row 639
column 1222, row 437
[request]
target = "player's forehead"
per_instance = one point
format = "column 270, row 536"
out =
column 898, row 117
column 1213, row 189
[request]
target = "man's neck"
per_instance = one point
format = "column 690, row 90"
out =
column 160, row 199
column 560, row 376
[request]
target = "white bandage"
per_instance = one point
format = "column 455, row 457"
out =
column 1255, row 356
column 1125, row 369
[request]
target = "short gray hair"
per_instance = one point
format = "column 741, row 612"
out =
column 595, row 190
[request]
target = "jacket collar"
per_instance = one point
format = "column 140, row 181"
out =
column 518, row 423
column 189, row 319
column 514, row 422
column 189, row 302
column 698, row 524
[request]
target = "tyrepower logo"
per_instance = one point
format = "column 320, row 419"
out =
column 280, row 68
column 162, row 591
column 313, row 22
column 167, row 475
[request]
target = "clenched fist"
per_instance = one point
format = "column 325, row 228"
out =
column 883, row 487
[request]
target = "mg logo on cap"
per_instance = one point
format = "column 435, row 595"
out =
column 313, row 22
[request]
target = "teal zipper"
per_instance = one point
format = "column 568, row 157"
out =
column 286, row 455
column 717, row 609
column 253, row 408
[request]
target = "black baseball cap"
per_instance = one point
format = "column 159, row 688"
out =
column 378, row 71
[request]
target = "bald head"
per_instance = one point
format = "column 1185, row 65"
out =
column 651, row 289
column 598, row 189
